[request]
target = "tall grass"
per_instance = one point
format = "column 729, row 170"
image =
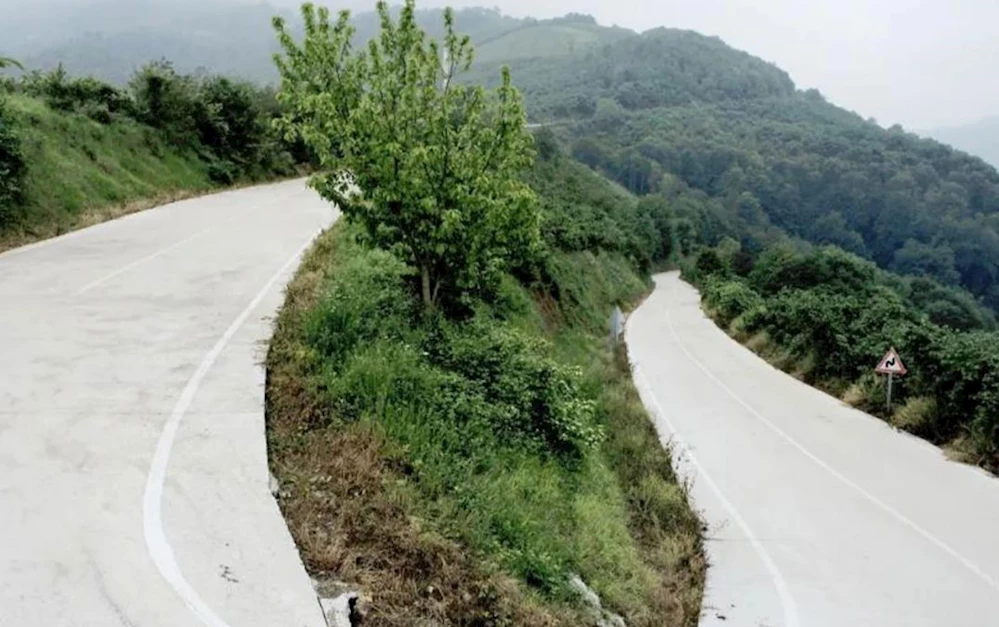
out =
column 514, row 438
column 80, row 170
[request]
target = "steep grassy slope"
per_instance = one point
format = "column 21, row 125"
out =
column 79, row 170
column 404, row 448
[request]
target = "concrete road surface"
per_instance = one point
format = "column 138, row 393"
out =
column 819, row 515
column 133, row 475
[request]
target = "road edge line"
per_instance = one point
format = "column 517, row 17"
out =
column 157, row 544
column 899, row 516
column 783, row 591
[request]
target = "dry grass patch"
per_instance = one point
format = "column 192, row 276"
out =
column 916, row 415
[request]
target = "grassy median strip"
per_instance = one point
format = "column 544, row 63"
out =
column 461, row 471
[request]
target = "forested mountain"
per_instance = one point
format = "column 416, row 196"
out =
column 669, row 109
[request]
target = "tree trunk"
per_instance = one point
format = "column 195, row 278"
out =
column 428, row 301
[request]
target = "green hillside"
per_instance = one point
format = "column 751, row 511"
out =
column 74, row 151
column 664, row 67
column 671, row 108
column 77, row 165
column 544, row 38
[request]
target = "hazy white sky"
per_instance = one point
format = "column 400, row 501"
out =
column 920, row 63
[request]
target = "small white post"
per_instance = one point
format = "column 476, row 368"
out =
column 890, row 376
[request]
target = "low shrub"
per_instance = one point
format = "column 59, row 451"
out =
column 527, row 395
column 366, row 300
column 729, row 300
column 916, row 415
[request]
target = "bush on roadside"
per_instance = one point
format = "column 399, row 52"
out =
column 86, row 95
column 831, row 315
column 528, row 396
column 367, row 300
column 12, row 167
column 728, row 300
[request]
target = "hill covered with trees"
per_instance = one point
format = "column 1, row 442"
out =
column 673, row 108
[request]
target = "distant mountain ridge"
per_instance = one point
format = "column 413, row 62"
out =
column 110, row 39
column 979, row 138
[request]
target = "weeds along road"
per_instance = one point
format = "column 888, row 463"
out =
column 133, row 474
column 819, row 515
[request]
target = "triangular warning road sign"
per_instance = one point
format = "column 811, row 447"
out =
column 891, row 364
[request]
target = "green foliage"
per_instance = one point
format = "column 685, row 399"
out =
column 782, row 268
column 948, row 306
column 87, row 95
column 367, row 300
column 201, row 129
column 438, row 162
column 673, row 105
column 659, row 67
column 835, row 314
column 74, row 165
column 525, row 394
column 709, row 264
column 919, row 259
column 966, row 386
column 166, row 101
column 729, row 299
column 12, row 167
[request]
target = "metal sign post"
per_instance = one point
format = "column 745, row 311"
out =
column 890, row 375
column 891, row 365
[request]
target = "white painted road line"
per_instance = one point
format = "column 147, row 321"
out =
column 789, row 607
column 138, row 262
column 133, row 460
column 152, row 500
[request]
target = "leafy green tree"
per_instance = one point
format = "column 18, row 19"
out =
column 166, row 100
column 917, row 258
column 228, row 120
column 437, row 163
column 7, row 62
column 709, row 263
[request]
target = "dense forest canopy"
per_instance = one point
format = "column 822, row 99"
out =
column 672, row 108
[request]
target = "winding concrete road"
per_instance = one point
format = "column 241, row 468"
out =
column 819, row 515
column 133, row 473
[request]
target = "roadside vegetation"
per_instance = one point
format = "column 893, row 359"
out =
column 450, row 429
column 828, row 316
column 75, row 150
